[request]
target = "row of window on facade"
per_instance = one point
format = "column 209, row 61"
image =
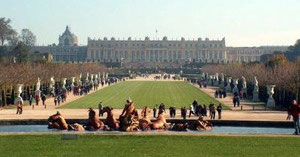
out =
column 244, row 58
column 245, row 52
column 156, row 45
column 161, row 60
column 155, row 51
column 59, row 49
column 156, row 54
column 69, row 58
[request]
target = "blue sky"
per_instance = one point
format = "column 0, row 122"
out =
column 242, row 22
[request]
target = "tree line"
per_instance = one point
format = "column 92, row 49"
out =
column 27, row 74
column 277, row 71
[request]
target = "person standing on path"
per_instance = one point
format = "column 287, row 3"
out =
column 171, row 112
column 43, row 99
column 174, row 111
column 154, row 111
column 183, row 113
column 19, row 103
column 204, row 111
column 30, row 99
column 55, row 100
column 212, row 111
column 219, row 109
column 100, row 107
column 295, row 112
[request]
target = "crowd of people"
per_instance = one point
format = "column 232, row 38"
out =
column 220, row 93
column 59, row 94
column 195, row 109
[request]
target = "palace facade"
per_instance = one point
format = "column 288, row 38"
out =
column 152, row 51
column 205, row 51
column 251, row 54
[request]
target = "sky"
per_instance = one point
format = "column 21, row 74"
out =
column 241, row 22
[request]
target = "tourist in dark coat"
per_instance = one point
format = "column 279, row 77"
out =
column 219, row 109
column 212, row 111
column 43, row 99
column 183, row 112
column 154, row 111
column 204, row 111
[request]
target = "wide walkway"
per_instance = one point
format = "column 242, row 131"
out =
column 245, row 104
column 40, row 112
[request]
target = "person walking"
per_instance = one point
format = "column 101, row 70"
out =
column 19, row 103
column 219, row 109
column 192, row 111
column 295, row 112
column 55, row 100
column 195, row 103
column 58, row 99
column 30, row 99
column 216, row 94
column 43, row 97
column 212, row 111
column 100, row 108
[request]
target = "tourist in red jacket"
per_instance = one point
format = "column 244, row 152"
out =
column 295, row 112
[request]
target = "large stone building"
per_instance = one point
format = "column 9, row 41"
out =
column 205, row 51
column 67, row 50
column 68, row 38
column 152, row 51
column 251, row 54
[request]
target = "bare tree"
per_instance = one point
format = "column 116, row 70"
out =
column 28, row 37
column 5, row 29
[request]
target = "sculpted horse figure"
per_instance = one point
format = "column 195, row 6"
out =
column 94, row 122
column 129, row 119
column 179, row 127
column 201, row 125
column 160, row 122
column 110, row 120
column 57, row 121
column 76, row 127
column 129, row 108
column 144, row 121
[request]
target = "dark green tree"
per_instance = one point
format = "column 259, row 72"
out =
column 21, row 53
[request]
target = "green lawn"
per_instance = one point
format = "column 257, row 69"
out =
column 144, row 93
column 139, row 146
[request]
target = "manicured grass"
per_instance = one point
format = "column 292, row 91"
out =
column 144, row 93
column 159, row 145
